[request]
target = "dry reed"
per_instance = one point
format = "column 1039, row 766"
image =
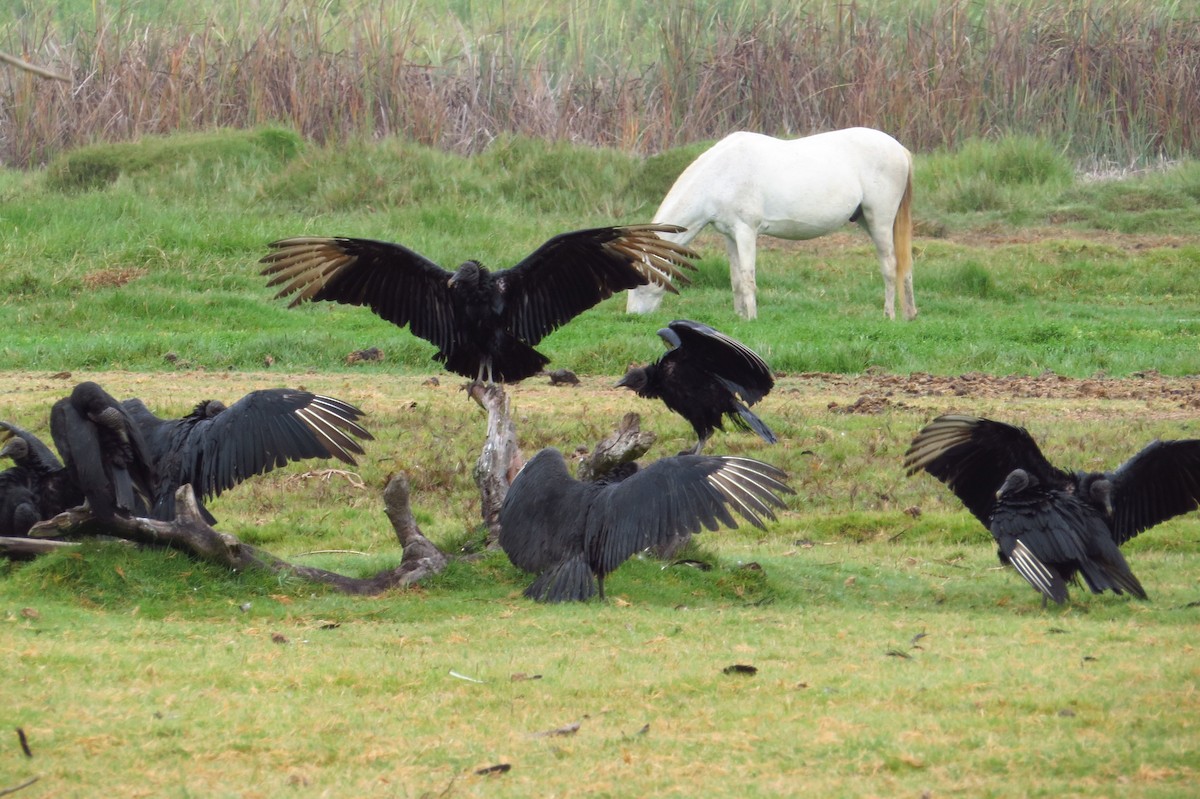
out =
column 1116, row 81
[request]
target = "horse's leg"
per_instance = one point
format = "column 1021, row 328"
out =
column 885, row 248
column 741, row 249
column 910, row 302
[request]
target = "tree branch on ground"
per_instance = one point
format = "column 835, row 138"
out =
column 19, row 548
column 498, row 464
column 190, row 533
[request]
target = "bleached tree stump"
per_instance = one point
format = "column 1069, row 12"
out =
column 501, row 458
column 624, row 446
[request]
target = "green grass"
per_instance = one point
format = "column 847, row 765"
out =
column 137, row 672
column 117, row 273
column 141, row 671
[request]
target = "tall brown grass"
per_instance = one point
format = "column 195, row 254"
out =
column 1114, row 81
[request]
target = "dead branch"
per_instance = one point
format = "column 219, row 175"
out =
column 19, row 548
column 628, row 443
column 41, row 72
column 501, row 458
column 190, row 533
column 498, row 464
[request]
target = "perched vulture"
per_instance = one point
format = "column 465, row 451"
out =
column 216, row 447
column 103, row 452
column 1051, row 524
column 703, row 376
column 37, row 487
column 573, row 534
column 484, row 324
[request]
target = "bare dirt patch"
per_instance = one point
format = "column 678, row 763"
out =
column 983, row 236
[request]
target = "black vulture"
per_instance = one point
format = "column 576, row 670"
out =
column 1050, row 523
column 573, row 534
column 216, row 447
column 103, row 452
column 18, row 502
column 484, row 324
column 37, row 487
column 702, row 376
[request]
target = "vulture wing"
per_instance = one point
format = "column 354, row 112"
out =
column 742, row 370
column 1158, row 483
column 398, row 284
column 260, row 432
column 572, row 272
column 677, row 496
column 1060, row 528
column 973, row 456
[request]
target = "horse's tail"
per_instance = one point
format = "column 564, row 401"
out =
column 902, row 240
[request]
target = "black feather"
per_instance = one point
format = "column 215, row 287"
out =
column 573, row 534
column 216, row 447
column 484, row 324
column 705, row 377
column 103, row 452
column 37, row 487
column 1072, row 523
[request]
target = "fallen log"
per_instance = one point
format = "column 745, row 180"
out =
column 189, row 533
column 21, row 548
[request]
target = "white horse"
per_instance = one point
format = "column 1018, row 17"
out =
column 748, row 183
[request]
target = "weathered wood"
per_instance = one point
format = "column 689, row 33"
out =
column 625, row 445
column 20, row 548
column 190, row 533
column 421, row 557
column 501, row 458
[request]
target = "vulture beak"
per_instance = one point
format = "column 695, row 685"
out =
column 634, row 378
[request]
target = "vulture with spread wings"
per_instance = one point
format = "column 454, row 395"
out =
column 1051, row 524
column 573, row 534
column 705, row 376
column 216, row 447
column 484, row 324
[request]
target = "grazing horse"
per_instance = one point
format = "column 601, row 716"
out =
column 748, row 183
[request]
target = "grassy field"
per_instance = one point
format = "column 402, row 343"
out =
column 126, row 254
column 895, row 657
